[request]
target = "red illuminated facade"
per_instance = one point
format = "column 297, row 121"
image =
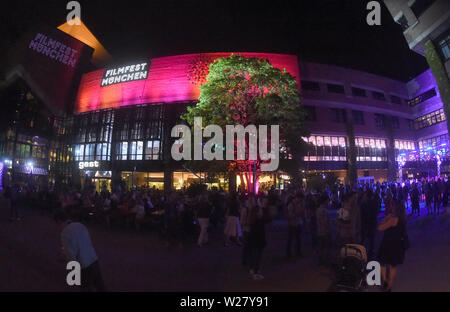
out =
column 170, row 79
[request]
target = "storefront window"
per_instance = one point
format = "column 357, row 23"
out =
column 371, row 149
column 144, row 179
column 327, row 148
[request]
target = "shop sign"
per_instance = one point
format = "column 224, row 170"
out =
column 88, row 164
column 125, row 74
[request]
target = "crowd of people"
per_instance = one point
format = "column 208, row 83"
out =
column 329, row 218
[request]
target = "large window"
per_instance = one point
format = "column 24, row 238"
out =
column 310, row 113
column 152, row 150
column 380, row 121
column 310, row 85
column 335, row 88
column 138, row 133
column 338, row 115
column 358, row 117
column 327, row 148
column 370, row 149
column 137, row 150
column 422, row 97
column 403, row 148
column 395, row 122
column 359, row 92
column 396, row 100
column 122, row 151
column 92, row 133
column 434, row 143
column 378, row 96
column 429, row 119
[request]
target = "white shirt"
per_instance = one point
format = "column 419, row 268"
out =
column 77, row 244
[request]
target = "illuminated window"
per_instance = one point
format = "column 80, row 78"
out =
column 430, row 119
column 79, row 152
column 122, row 151
column 422, row 97
column 137, row 149
column 152, row 150
column 327, row 148
column 370, row 149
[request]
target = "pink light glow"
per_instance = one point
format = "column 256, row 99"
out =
column 170, row 79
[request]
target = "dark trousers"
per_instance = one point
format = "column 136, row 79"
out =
column 245, row 249
column 294, row 234
column 255, row 256
column 437, row 203
column 91, row 278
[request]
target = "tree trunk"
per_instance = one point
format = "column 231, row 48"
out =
column 352, row 169
column 441, row 76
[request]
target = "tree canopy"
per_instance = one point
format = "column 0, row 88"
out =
column 250, row 91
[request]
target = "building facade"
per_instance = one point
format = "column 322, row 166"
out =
column 112, row 125
column 423, row 21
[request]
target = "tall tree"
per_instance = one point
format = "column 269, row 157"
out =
column 250, row 91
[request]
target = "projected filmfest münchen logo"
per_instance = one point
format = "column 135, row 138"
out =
column 125, row 74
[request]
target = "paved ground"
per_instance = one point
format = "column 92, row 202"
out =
column 140, row 261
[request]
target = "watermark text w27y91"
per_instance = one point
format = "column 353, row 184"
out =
column 256, row 146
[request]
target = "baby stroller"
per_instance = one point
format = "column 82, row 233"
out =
column 351, row 269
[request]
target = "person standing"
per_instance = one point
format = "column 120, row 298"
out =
column 257, row 237
column 393, row 245
column 415, row 200
column 343, row 221
column 203, row 215
column 77, row 246
column 295, row 210
column 428, row 197
column 15, row 201
column 436, row 197
column 369, row 218
column 246, row 220
column 323, row 231
column 232, row 217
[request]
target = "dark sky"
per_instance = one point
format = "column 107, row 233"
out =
column 325, row 31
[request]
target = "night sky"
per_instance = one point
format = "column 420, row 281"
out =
column 324, row 31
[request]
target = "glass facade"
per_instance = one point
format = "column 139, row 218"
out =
column 371, row 149
column 433, row 143
column 327, row 148
column 429, row 119
column 125, row 134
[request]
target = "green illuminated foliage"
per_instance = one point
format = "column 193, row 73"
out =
column 246, row 91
